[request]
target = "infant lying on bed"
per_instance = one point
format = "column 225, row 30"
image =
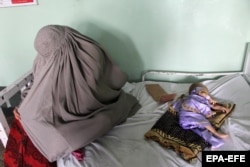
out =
column 194, row 111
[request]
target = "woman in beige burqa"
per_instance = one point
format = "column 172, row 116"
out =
column 76, row 94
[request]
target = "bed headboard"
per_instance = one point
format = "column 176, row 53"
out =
column 246, row 66
column 179, row 76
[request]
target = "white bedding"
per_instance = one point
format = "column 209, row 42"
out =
column 125, row 146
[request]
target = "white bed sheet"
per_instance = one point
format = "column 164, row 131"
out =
column 125, row 146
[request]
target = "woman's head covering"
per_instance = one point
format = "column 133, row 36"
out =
column 197, row 87
column 76, row 85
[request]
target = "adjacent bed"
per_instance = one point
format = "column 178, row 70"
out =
column 126, row 145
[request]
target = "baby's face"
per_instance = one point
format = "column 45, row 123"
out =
column 203, row 93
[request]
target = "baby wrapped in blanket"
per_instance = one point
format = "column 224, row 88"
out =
column 194, row 111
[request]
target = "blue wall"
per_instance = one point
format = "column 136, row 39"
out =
column 183, row 35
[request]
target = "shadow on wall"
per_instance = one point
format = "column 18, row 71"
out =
column 119, row 47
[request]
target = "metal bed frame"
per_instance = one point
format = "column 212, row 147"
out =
column 7, row 93
column 245, row 71
column 5, row 96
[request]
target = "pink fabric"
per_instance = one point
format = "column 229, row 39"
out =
column 78, row 154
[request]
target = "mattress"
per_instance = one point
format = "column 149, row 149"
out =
column 125, row 145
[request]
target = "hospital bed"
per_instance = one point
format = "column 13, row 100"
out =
column 126, row 146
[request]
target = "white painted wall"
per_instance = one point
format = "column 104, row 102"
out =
column 183, row 35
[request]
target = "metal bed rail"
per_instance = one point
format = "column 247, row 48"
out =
column 185, row 74
column 5, row 95
column 245, row 70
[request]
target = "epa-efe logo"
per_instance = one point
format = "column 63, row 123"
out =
column 225, row 158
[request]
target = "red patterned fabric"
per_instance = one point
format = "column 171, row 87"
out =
column 20, row 152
